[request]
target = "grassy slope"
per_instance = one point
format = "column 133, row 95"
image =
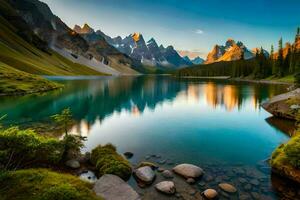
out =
column 13, row 81
column 42, row 184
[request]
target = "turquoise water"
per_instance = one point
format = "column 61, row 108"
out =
column 208, row 123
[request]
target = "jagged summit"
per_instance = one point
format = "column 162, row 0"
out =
column 85, row 29
column 136, row 36
column 229, row 43
column 152, row 40
column 148, row 53
column 230, row 51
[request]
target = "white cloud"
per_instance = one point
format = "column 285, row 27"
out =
column 199, row 31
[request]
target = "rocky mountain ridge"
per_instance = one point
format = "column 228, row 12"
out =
column 64, row 40
column 230, row 51
column 135, row 46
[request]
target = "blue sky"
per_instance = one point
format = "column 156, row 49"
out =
column 192, row 25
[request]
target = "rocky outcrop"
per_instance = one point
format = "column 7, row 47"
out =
column 285, row 105
column 111, row 187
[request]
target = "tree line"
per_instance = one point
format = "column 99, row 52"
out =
column 284, row 62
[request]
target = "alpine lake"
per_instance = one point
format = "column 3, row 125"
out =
column 218, row 125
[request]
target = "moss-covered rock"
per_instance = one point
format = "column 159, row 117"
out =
column 108, row 161
column 286, row 159
column 42, row 184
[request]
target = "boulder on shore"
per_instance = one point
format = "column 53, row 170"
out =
column 188, row 171
column 111, row 187
column 167, row 187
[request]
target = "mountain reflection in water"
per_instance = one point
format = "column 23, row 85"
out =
column 91, row 101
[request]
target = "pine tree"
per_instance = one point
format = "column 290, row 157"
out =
column 297, row 74
column 287, row 60
column 272, row 51
column 272, row 61
column 280, row 60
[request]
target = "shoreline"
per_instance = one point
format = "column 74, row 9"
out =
column 29, row 92
column 261, row 81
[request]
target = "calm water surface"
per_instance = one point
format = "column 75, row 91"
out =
column 218, row 125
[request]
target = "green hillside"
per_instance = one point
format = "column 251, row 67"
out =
column 13, row 81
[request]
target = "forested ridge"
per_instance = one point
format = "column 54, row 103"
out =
column 285, row 62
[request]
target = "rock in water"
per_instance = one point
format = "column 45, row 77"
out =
column 128, row 155
column 167, row 174
column 111, row 187
column 145, row 174
column 188, row 170
column 210, row 193
column 149, row 164
column 74, row 164
column 190, row 181
column 166, row 187
column 227, row 187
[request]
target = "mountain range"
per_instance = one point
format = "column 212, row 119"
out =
column 231, row 51
column 62, row 48
column 99, row 56
column 134, row 45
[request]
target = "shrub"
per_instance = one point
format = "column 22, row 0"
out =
column 108, row 161
column 42, row 184
column 72, row 145
column 23, row 148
